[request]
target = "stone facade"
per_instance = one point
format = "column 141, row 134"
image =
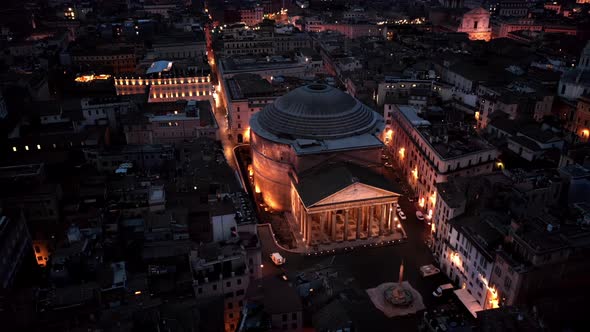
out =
column 476, row 23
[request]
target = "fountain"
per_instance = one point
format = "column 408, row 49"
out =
column 397, row 294
column 396, row 298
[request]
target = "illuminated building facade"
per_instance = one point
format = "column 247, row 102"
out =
column 244, row 96
column 343, row 202
column 476, row 23
column 252, row 15
column 163, row 82
column 432, row 152
column 304, row 128
column 468, row 254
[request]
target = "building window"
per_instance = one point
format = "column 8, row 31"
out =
column 228, row 284
column 200, row 290
column 230, row 305
column 214, row 287
column 239, row 281
column 294, row 316
column 240, row 292
column 294, row 326
column 284, row 317
column 507, row 283
column 498, row 271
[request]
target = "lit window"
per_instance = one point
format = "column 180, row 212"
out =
column 14, row 148
column 27, row 147
column 38, row 146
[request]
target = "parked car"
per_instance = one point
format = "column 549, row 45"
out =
column 420, row 215
column 441, row 289
column 398, row 208
column 277, row 259
column 401, row 215
column 388, row 165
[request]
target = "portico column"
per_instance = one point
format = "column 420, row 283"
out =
column 303, row 229
column 359, row 221
column 371, row 210
column 389, row 215
column 382, row 220
column 322, row 223
column 301, row 221
column 346, row 225
column 332, row 216
column 308, row 222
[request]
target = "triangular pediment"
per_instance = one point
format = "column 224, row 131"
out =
column 355, row 192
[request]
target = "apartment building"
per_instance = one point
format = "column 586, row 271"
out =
column 430, row 148
column 221, row 270
column 166, row 81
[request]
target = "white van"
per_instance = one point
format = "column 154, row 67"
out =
column 441, row 289
column 277, row 259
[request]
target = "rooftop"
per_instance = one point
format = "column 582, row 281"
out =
column 249, row 85
column 251, row 64
column 480, row 232
column 159, row 67
column 328, row 179
column 444, row 131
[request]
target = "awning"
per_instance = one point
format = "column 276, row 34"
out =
column 468, row 301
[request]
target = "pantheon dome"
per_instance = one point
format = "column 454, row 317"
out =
column 302, row 129
column 317, row 111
